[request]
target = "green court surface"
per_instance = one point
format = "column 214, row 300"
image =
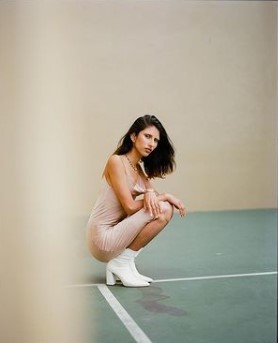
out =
column 215, row 280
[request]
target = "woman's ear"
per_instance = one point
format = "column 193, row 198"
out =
column 133, row 137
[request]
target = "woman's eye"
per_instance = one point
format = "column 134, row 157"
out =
column 147, row 135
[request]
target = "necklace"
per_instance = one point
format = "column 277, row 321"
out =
column 133, row 166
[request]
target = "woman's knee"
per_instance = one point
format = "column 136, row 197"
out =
column 167, row 210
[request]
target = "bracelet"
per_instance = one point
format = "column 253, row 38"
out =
column 149, row 190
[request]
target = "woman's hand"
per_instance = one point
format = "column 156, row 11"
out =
column 177, row 203
column 151, row 203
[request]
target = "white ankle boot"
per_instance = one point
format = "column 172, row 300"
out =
column 121, row 267
column 135, row 271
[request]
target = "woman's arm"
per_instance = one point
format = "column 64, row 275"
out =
column 116, row 176
column 177, row 203
column 152, row 198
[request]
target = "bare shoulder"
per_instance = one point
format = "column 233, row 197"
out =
column 114, row 162
column 114, row 159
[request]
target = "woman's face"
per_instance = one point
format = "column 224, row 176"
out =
column 146, row 140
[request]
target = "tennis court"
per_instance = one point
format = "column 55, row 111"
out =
column 215, row 280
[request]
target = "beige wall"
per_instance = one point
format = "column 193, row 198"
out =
column 208, row 70
column 75, row 75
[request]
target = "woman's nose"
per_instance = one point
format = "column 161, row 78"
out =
column 151, row 143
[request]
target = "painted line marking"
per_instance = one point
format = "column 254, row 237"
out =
column 215, row 277
column 185, row 279
column 135, row 331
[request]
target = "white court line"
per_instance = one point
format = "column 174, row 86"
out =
column 227, row 276
column 135, row 331
column 215, row 277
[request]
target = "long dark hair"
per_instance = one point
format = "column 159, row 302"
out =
column 162, row 159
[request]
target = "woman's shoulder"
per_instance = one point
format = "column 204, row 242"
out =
column 114, row 167
column 114, row 161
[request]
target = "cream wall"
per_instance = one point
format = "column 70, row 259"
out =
column 75, row 75
column 208, row 70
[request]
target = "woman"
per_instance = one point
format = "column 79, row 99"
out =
column 121, row 224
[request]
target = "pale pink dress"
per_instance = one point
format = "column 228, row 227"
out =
column 109, row 229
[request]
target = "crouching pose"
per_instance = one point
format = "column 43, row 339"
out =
column 120, row 224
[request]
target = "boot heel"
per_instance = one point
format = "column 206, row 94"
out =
column 110, row 278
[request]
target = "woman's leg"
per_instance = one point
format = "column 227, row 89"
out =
column 146, row 235
column 153, row 228
column 123, row 266
column 109, row 242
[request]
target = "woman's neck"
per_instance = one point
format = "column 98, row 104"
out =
column 133, row 156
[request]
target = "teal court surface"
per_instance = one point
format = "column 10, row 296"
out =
column 215, row 281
